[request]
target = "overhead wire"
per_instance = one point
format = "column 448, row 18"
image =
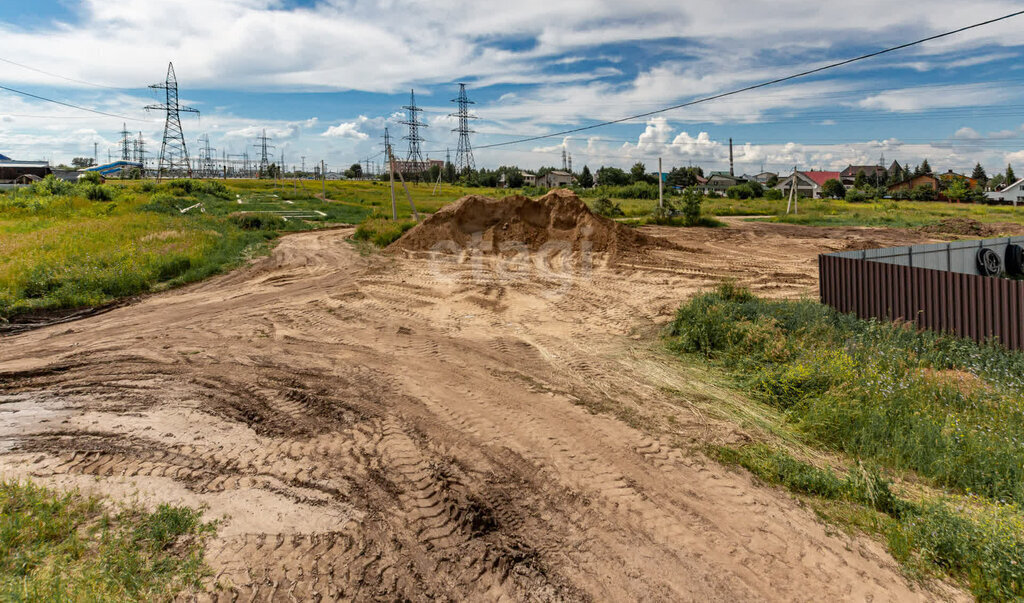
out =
column 764, row 84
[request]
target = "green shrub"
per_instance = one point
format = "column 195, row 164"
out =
column 96, row 192
column 607, row 208
column 855, row 195
column 257, row 221
column 148, row 186
column 163, row 203
column 380, row 231
column 90, row 178
column 773, row 194
column 51, row 185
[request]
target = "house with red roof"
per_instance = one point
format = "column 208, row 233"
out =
column 808, row 184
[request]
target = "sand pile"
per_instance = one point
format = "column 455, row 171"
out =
column 558, row 220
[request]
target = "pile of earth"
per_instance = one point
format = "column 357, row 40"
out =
column 558, row 221
column 961, row 227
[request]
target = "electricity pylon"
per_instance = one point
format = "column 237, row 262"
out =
column 464, row 152
column 173, row 152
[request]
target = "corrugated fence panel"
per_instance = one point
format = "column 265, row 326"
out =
column 968, row 305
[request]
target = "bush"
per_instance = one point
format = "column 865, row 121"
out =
column 856, row 196
column 148, row 186
column 923, row 192
column 90, row 178
column 51, row 185
column 834, row 189
column 607, row 208
column 381, row 232
column 254, row 221
column 96, row 192
column 773, row 194
column 189, row 186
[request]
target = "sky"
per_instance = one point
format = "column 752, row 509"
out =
column 325, row 77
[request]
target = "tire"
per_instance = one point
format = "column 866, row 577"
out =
column 1014, row 260
column 989, row 262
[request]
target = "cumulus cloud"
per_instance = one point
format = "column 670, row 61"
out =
column 349, row 129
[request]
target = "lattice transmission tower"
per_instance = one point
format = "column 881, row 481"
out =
column 139, row 150
column 126, row 143
column 264, row 155
column 464, row 152
column 206, row 164
column 414, row 159
column 173, row 152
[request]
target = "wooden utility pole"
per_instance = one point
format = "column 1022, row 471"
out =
column 792, row 202
column 415, row 213
column 661, row 200
column 323, row 175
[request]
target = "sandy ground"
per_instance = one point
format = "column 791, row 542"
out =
column 457, row 428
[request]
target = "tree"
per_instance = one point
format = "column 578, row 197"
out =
column 586, row 178
column 996, row 182
column 834, row 188
column 957, row 191
column 925, row 168
column 690, row 205
column 773, row 181
column 979, row 175
column 82, row 162
column 356, row 169
column 860, row 181
column 608, row 176
column 638, row 173
column 1010, row 177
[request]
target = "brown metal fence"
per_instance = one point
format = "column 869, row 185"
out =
column 968, row 305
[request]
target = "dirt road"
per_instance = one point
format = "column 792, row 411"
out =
column 471, row 428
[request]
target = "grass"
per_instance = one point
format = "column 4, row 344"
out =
column 65, row 547
column 382, row 232
column 65, row 246
column 945, row 412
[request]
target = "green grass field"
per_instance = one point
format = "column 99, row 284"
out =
column 67, row 547
column 944, row 415
column 59, row 250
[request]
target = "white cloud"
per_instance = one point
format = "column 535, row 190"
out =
column 346, row 130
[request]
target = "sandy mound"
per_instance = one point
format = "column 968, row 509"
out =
column 556, row 221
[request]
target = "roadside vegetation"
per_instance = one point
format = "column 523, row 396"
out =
column 932, row 427
column 66, row 547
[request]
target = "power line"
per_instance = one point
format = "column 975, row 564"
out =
column 63, row 77
column 760, row 85
column 80, row 108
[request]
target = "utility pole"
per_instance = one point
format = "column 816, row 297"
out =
column 661, row 199
column 95, row 153
column 414, row 158
column 173, row 152
column 792, row 193
column 731, row 172
column 303, row 166
column 464, row 151
column 391, row 172
column 323, row 174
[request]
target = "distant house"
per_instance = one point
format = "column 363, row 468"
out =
column 529, row 179
column 1013, row 193
column 894, row 169
column 719, row 182
column 914, row 182
column 555, row 179
column 764, row 177
column 874, row 173
column 950, row 177
column 12, row 170
column 808, row 184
